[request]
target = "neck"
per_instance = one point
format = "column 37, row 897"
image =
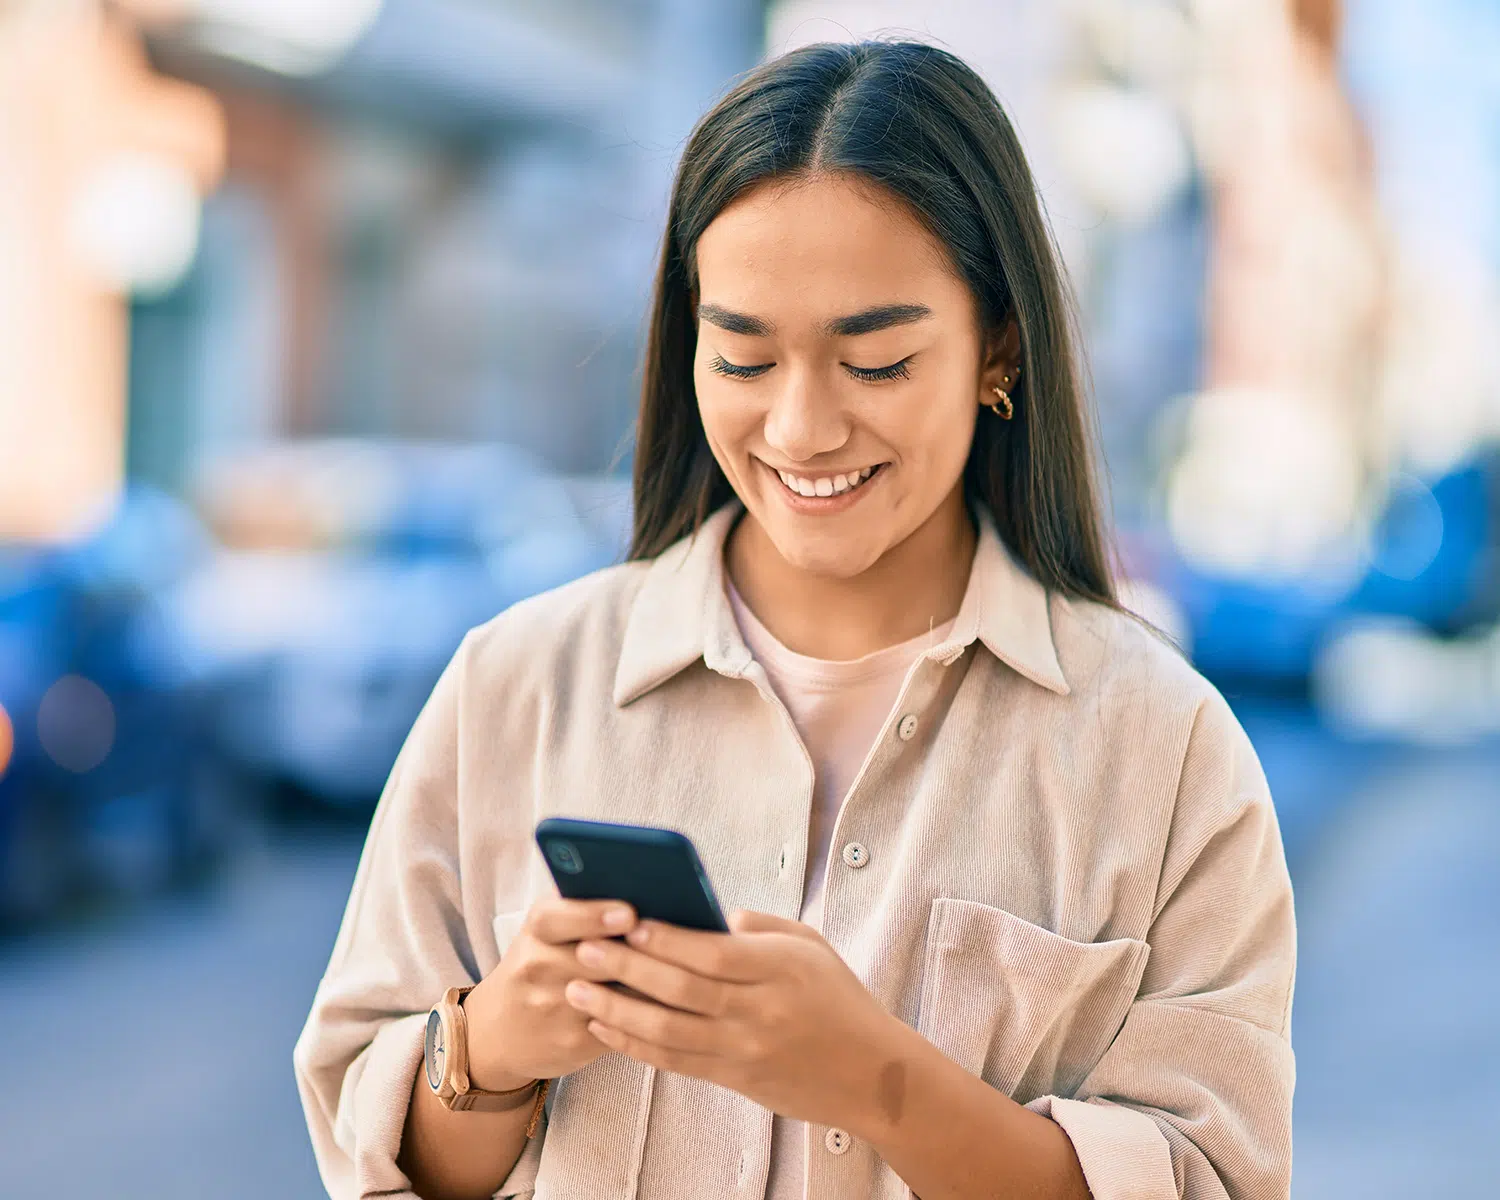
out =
column 916, row 584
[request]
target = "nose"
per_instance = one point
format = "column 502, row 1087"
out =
column 802, row 423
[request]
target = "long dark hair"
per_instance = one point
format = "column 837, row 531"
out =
column 919, row 122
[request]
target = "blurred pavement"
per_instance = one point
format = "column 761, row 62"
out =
column 177, row 1021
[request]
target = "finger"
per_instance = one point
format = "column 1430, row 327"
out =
column 747, row 920
column 661, row 981
column 555, row 919
column 556, row 964
column 565, row 961
column 683, row 1062
column 644, row 1019
column 730, row 957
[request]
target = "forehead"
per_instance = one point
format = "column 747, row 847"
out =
column 819, row 246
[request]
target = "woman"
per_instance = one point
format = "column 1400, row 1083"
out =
column 1011, row 915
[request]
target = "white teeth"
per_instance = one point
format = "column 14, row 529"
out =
column 834, row 485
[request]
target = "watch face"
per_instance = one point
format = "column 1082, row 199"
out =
column 436, row 1052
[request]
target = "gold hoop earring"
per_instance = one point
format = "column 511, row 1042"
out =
column 1004, row 400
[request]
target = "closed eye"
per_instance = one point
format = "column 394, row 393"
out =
column 718, row 364
column 897, row 370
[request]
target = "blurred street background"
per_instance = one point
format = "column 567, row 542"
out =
column 320, row 324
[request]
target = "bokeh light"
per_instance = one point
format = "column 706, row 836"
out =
column 135, row 222
column 7, row 739
column 297, row 37
column 75, row 723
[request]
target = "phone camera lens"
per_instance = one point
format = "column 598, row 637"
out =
column 565, row 857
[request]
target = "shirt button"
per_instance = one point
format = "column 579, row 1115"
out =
column 855, row 855
column 837, row 1141
column 906, row 728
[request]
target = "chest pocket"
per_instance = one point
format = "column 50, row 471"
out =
column 1027, row 1010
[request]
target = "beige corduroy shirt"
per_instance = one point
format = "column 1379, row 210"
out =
column 1060, row 863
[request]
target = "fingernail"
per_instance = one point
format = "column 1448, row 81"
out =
column 617, row 918
column 638, row 935
column 577, row 991
column 590, row 954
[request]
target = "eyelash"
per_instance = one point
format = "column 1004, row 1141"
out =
column 899, row 370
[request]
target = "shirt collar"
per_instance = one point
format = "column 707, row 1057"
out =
column 682, row 614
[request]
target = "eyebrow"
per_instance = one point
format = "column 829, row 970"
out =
column 870, row 320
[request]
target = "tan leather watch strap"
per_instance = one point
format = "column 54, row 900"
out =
column 466, row 1097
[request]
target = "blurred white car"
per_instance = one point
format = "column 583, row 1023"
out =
column 354, row 571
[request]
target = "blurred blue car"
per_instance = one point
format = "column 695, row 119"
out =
column 1432, row 562
column 111, row 783
column 34, row 836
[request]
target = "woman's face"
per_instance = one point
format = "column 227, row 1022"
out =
column 838, row 369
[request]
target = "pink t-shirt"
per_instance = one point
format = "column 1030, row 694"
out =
column 839, row 709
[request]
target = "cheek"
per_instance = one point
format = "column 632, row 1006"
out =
column 931, row 432
column 729, row 415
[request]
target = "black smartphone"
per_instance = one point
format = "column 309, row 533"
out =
column 656, row 871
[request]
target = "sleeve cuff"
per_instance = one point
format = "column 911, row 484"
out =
column 371, row 1124
column 374, row 1103
column 1124, row 1155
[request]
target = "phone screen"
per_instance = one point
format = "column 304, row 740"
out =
column 657, row 871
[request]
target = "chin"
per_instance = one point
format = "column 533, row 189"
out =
column 828, row 554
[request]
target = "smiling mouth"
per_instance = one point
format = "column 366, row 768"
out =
column 814, row 486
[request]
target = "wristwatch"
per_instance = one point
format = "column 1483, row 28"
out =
column 445, row 1056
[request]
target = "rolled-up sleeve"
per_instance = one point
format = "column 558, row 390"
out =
column 1193, row 1098
column 403, row 940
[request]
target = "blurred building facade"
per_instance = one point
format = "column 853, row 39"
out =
column 106, row 163
column 418, row 218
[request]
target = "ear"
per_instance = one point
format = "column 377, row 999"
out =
column 1001, row 365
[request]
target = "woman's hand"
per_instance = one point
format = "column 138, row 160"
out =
column 769, row 1010
column 520, row 1026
